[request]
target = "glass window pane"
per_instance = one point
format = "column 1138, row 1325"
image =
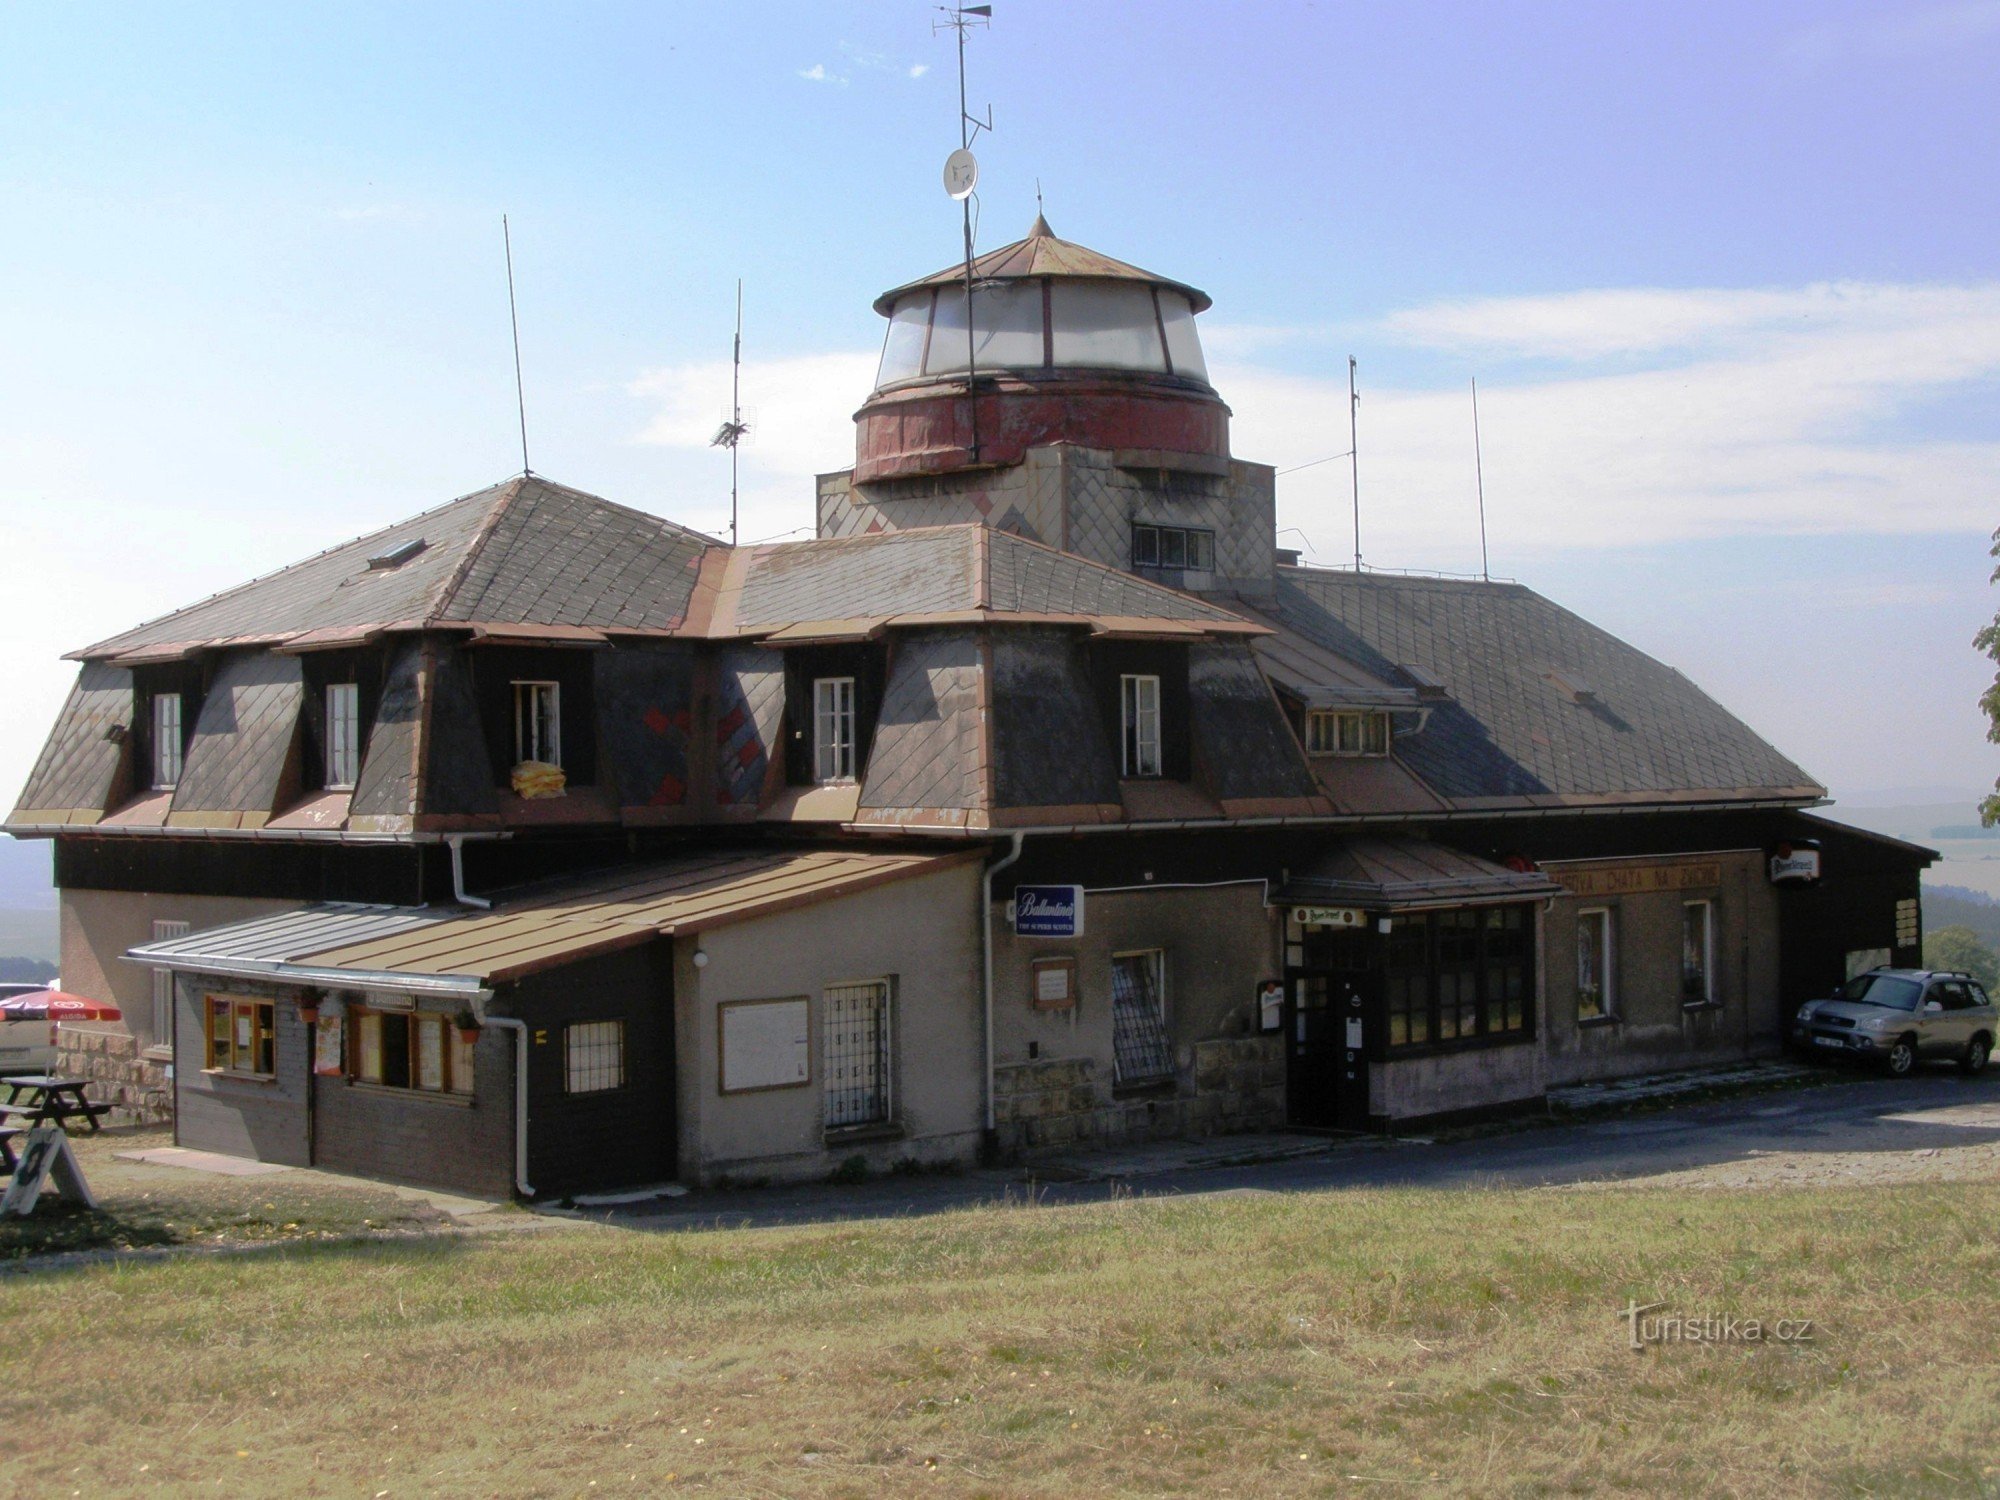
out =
column 430, row 1053
column 903, row 348
column 461, row 1062
column 1173, row 548
column 1183, row 343
column 1006, row 328
column 1201, row 550
column 1145, row 546
column 1106, row 325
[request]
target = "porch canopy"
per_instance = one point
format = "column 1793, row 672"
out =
column 425, row 950
column 1407, row 874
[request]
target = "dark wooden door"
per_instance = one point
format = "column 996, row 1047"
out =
column 1312, row 1053
column 1330, row 1007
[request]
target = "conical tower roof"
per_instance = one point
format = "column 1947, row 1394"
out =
column 1043, row 254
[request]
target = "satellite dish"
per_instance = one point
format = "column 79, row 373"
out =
column 961, row 174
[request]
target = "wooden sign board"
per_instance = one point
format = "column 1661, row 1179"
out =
column 47, row 1154
column 765, row 1044
column 1053, row 984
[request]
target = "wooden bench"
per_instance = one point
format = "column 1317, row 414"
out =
column 7, row 1135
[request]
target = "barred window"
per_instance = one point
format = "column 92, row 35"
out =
column 594, row 1057
column 1140, row 1051
column 163, row 986
column 856, row 1023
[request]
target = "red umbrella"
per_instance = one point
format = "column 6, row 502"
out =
column 55, row 1005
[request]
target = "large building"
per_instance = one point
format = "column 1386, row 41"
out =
column 537, row 844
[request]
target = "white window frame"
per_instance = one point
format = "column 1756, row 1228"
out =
column 833, row 730
column 538, row 721
column 168, row 741
column 1139, row 725
column 1707, row 909
column 163, row 985
column 884, row 1110
column 343, row 736
column 1607, row 962
column 1356, row 732
column 577, row 1071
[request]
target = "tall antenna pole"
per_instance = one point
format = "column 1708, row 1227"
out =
column 1354, row 450
column 730, row 433
column 514, row 320
column 961, row 18
column 735, row 404
column 1479, row 475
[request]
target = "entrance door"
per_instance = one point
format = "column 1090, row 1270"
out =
column 1330, row 1009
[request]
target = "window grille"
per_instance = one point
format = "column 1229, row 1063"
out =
column 538, row 722
column 343, row 735
column 594, row 1052
column 163, row 986
column 166, row 740
column 1140, row 1052
column 1347, row 732
column 856, row 1023
column 1141, row 725
column 833, row 729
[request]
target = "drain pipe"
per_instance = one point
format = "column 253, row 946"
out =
column 456, row 843
column 986, row 945
column 520, row 1030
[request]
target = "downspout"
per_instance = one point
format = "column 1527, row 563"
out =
column 986, row 945
column 456, row 843
column 520, row 1030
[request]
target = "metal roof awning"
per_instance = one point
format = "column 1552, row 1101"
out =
column 431, row 950
column 1398, row 875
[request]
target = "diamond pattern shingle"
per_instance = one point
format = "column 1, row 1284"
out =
column 79, row 768
column 928, row 750
column 249, row 718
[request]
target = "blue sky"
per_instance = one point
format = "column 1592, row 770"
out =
column 1725, row 274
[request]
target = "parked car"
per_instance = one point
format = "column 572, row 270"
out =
column 1896, row 1018
column 26, row 1046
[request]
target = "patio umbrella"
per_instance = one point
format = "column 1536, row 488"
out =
column 56, row 1005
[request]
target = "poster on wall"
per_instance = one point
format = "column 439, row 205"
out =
column 766, row 1044
column 1270, row 1005
column 326, row 1045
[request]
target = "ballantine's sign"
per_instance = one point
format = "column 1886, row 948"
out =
column 1054, row 911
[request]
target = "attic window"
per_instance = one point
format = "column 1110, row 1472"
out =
column 1571, row 686
column 1347, row 732
column 396, row 556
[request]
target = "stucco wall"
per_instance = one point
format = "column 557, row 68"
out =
column 1651, row 1029
column 98, row 926
column 923, row 935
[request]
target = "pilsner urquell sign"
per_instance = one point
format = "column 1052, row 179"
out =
column 1048, row 911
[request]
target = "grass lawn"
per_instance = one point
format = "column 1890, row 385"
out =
column 1333, row 1343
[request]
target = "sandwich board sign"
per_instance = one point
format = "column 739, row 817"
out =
column 1048, row 911
column 46, row 1154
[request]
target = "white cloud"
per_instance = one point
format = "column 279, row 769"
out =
column 1609, row 419
column 1908, row 32
column 917, row 70
column 818, row 73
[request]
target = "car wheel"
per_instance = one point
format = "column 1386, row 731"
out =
column 1901, row 1059
column 1977, row 1051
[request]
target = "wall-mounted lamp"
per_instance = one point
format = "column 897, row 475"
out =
column 700, row 958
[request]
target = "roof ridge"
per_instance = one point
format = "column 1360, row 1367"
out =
column 448, row 590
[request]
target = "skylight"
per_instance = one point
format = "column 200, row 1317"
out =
column 396, row 556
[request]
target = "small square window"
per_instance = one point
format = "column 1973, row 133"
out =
column 593, row 1057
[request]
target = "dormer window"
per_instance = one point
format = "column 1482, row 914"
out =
column 1140, row 724
column 833, row 729
column 343, row 735
column 538, row 722
column 1181, row 547
column 1347, row 731
column 167, row 742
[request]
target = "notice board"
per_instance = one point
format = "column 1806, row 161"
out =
column 765, row 1044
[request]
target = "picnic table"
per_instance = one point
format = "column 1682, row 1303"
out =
column 38, row 1099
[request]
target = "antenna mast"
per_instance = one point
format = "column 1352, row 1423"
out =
column 514, row 320
column 1479, row 475
column 1354, row 451
column 961, row 18
column 730, row 433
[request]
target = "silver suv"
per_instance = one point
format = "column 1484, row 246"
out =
column 1897, row 1017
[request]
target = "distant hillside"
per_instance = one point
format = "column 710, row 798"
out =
column 1955, row 906
column 27, row 880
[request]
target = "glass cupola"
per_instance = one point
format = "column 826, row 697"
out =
column 1043, row 306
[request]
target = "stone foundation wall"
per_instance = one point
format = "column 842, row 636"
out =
column 135, row 1086
column 1221, row 1088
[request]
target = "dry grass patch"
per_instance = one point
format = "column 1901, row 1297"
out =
column 1463, row 1343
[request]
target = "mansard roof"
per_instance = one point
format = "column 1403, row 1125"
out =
column 527, row 552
